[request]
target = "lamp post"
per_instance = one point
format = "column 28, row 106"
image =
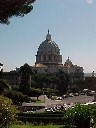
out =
column 1, row 70
column 44, row 96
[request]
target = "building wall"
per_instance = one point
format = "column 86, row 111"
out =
column 11, row 78
column 90, row 83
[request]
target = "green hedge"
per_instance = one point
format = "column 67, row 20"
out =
column 44, row 118
column 40, row 114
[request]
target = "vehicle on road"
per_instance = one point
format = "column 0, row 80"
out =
column 59, row 98
column 65, row 96
column 76, row 94
column 90, row 93
column 71, row 95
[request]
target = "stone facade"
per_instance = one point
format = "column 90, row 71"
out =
column 48, row 60
column 12, row 77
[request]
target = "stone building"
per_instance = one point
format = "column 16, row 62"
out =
column 90, row 82
column 48, row 60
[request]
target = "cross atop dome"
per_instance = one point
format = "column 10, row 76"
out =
column 48, row 36
column 68, row 60
column 48, row 31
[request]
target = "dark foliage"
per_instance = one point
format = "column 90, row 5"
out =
column 9, row 8
column 58, row 81
column 17, row 97
column 3, row 86
column 25, row 73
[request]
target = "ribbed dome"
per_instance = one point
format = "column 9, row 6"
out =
column 49, row 46
column 48, row 52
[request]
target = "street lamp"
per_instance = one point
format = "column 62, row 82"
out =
column 1, row 66
column 1, row 69
column 44, row 96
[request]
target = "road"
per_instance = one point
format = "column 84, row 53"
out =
column 81, row 99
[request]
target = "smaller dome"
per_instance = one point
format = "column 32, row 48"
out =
column 68, row 63
column 68, row 60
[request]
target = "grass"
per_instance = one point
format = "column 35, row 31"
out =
column 30, row 126
column 39, row 101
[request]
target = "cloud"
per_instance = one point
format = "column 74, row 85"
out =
column 89, row 1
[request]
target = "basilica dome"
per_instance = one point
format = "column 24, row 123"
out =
column 48, row 52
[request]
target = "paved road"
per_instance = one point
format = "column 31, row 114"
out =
column 81, row 99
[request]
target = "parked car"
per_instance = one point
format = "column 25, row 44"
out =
column 71, row 95
column 29, row 112
column 76, row 94
column 90, row 103
column 85, row 90
column 82, row 93
column 59, row 98
column 65, row 96
column 90, row 93
column 49, row 110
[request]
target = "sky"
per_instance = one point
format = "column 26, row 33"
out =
column 72, row 25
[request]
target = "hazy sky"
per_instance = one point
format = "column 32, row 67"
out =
column 72, row 24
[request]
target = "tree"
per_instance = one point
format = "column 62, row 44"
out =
column 17, row 97
column 64, row 81
column 34, row 92
column 25, row 74
column 80, row 83
column 38, row 92
column 7, row 112
column 3, row 86
column 9, row 8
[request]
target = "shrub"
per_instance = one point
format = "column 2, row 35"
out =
column 7, row 112
column 79, row 116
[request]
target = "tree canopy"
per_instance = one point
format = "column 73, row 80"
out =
column 9, row 8
column 4, row 86
column 25, row 73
